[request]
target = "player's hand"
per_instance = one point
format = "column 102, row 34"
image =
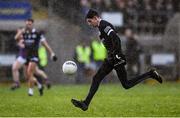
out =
column 119, row 59
column 54, row 57
column 21, row 31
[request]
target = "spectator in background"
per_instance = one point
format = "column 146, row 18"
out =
column 120, row 5
column 99, row 52
column 131, row 10
column 132, row 53
column 145, row 19
column 159, row 16
column 108, row 5
column 83, row 58
column 43, row 61
column 146, row 16
column 169, row 9
column 84, row 6
column 175, row 4
column 98, row 4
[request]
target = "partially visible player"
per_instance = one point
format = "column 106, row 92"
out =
column 19, row 62
column 115, row 60
column 32, row 38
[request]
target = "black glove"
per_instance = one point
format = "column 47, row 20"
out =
column 119, row 59
column 54, row 57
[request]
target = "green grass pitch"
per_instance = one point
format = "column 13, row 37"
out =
column 111, row 100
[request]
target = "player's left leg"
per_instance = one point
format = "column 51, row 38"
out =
column 104, row 70
column 122, row 75
column 19, row 62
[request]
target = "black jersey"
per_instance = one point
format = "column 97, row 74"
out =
column 32, row 39
column 109, row 37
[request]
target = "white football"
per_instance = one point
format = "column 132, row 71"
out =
column 69, row 67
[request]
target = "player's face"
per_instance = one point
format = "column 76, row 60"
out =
column 92, row 21
column 128, row 33
column 29, row 24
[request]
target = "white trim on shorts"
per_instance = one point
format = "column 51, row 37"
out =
column 21, row 60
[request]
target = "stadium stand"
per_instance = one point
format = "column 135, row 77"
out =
column 66, row 25
column 147, row 16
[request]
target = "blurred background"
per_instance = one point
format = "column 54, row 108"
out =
column 149, row 30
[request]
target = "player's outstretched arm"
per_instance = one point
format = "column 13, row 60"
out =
column 18, row 34
column 49, row 49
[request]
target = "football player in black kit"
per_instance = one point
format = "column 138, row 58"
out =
column 115, row 60
column 32, row 39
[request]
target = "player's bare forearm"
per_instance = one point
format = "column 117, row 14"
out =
column 53, row 55
column 18, row 34
column 49, row 49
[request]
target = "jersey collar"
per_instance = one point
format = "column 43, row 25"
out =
column 33, row 30
column 99, row 22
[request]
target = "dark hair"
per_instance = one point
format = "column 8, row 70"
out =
column 30, row 19
column 91, row 13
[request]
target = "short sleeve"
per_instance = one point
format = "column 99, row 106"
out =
column 42, row 38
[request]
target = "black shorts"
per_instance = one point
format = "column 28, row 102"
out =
column 32, row 56
column 114, row 61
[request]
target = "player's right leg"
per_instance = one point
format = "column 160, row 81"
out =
column 30, row 76
column 43, row 75
column 32, row 80
column 155, row 75
column 25, row 71
column 122, row 75
column 104, row 70
column 19, row 62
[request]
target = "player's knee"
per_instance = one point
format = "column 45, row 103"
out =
column 29, row 74
column 14, row 68
column 31, row 79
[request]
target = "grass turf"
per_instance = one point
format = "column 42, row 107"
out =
column 110, row 100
